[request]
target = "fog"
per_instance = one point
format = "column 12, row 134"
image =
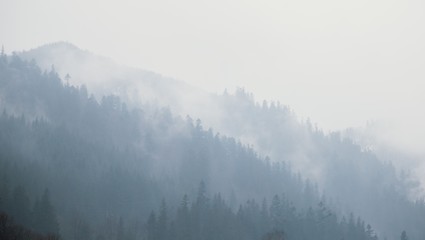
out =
column 306, row 54
column 137, row 87
column 315, row 107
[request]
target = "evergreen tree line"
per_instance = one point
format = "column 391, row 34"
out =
column 212, row 218
column 38, row 215
column 26, row 218
column 108, row 166
column 352, row 176
column 11, row 231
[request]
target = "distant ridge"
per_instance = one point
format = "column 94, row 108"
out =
column 103, row 76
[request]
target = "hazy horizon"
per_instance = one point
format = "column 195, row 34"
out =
column 143, row 142
column 339, row 64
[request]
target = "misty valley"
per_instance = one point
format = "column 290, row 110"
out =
column 92, row 150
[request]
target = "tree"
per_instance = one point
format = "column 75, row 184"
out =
column 45, row 220
column 4, row 193
column 370, row 233
column 3, row 56
column 80, row 228
column 10, row 231
column 200, row 213
column 202, row 199
column 162, row 221
column 276, row 235
column 404, row 236
column 20, row 206
column 152, row 227
column 67, row 77
column 120, row 229
column 276, row 213
column 183, row 220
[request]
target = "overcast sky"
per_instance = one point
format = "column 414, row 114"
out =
column 341, row 63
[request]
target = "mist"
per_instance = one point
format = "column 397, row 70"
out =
column 366, row 55
column 212, row 120
column 138, row 87
column 350, row 49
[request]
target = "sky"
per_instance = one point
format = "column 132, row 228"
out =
column 340, row 63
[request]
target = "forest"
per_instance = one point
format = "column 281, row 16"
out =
column 78, row 166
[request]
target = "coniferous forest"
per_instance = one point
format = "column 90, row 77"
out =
column 78, row 166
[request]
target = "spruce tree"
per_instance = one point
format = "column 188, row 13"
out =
column 404, row 236
column 45, row 220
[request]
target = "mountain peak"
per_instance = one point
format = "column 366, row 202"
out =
column 61, row 48
column 60, row 45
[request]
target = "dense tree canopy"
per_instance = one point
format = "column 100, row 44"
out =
column 88, row 168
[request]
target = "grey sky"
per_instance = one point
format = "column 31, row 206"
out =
column 341, row 63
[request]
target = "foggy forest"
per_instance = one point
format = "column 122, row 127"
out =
column 86, row 168
column 95, row 149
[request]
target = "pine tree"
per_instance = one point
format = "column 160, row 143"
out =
column 202, row 199
column 404, row 236
column 152, row 227
column 67, row 77
column 4, row 193
column 120, row 230
column 20, row 206
column 200, row 212
column 162, row 221
column 276, row 213
column 45, row 220
column 3, row 57
column 183, row 220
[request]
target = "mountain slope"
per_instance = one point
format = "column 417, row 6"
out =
column 105, row 168
column 355, row 180
column 104, row 77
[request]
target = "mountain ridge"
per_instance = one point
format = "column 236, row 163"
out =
column 335, row 161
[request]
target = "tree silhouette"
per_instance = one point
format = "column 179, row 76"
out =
column 45, row 220
column 404, row 236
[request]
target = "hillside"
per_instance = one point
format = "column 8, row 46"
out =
column 105, row 77
column 353, row 179
column 103, row 170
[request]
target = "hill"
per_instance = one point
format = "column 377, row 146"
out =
column 354, row 179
